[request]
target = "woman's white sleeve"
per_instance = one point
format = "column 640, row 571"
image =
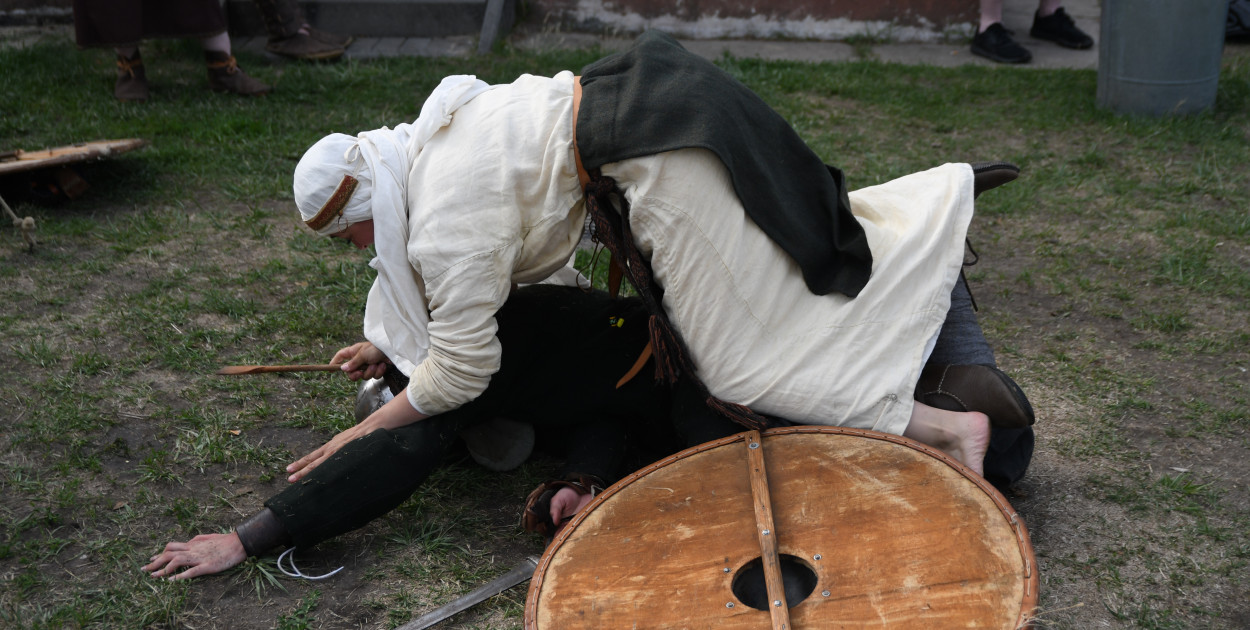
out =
column 464, row 351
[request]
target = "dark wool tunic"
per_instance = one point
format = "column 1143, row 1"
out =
column 124, row 23
column 564, row 351
column 658, row 97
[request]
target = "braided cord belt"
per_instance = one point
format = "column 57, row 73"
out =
column 672, row 357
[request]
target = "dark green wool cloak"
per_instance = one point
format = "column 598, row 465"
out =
column 657, row 97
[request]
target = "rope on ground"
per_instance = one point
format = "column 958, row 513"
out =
column 297, row 573
column 26, row 225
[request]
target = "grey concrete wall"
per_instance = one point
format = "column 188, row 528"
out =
column 379, row 18
column 896, row 20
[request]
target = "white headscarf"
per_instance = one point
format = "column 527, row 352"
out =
column 397, row 314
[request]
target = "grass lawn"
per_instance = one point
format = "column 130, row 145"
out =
column 1114, row 284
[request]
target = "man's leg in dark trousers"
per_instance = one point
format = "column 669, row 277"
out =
column 564, row 350
column 364, row 480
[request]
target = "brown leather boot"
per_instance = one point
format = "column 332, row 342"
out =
column 132, row 81
column 225, row 75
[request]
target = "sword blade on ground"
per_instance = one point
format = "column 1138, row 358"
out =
column 517, row 575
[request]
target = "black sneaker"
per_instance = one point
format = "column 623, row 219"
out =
column 1058, row 27
column 996, row 43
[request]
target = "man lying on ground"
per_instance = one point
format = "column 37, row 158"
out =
column 567, row 350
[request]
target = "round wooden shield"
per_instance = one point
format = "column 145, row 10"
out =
column 804, row 527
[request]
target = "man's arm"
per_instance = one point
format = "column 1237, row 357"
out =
column 396, row 413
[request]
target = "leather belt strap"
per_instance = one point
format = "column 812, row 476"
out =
column 615, row 273
column 633, row 371
column 583, row 177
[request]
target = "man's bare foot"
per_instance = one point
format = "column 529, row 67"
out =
column 962, row 435
column 205, row 554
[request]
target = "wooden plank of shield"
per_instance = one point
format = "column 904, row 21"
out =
column 16, row 161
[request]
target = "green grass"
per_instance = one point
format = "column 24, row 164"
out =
column 1113, row 282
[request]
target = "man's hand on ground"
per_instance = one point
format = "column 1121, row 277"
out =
column 205, row 554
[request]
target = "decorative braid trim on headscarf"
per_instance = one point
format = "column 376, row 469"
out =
column 333, row 207
column 672, row 357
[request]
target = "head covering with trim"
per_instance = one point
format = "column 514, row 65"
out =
column 397, row 312
column 318, row 177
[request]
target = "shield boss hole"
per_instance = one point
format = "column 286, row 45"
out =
column 797, row 577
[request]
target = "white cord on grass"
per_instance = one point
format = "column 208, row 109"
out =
column 297, row 573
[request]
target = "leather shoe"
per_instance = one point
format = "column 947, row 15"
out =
column 307, row 47
column 132, row 81
column 987, row 175
column 976, row 388
column 334, row 39
column 225, row 75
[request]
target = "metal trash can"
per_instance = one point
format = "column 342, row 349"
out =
column 1160, row 57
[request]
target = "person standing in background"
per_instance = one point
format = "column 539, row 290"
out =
column 290, row 35
column 1050, row 22
column 122, row 24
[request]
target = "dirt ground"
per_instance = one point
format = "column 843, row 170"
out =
column 1122, row 312
column 1095, row 548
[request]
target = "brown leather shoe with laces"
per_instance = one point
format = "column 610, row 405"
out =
column 225, row 75
column 132, row 81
